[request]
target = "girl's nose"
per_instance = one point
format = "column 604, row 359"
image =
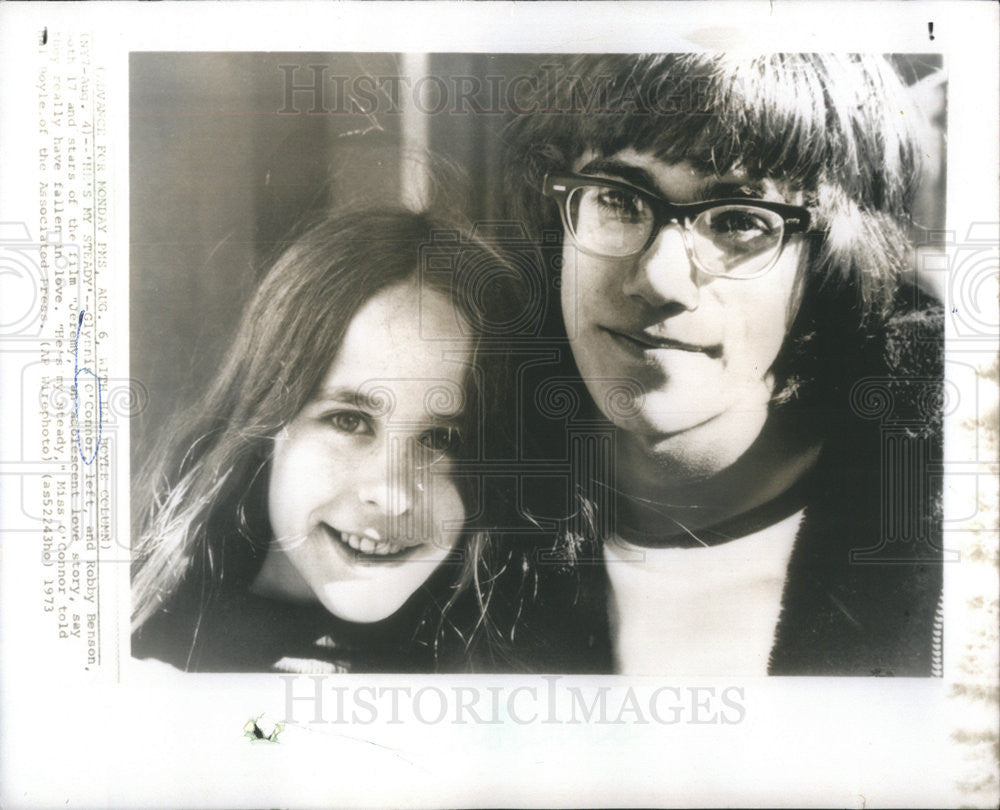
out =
column 391, row 500
column 387, row 480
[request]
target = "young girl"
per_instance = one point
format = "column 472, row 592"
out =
column 311, row 515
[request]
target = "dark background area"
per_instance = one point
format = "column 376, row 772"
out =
column 224, row 164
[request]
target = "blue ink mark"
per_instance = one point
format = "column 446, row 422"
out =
column 77, row 371
column 954, row 309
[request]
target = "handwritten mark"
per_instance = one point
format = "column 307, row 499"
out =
column 930, row 30
column 77, row 371
column 44, row 36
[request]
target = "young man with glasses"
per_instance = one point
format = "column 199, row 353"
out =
column 735, row 241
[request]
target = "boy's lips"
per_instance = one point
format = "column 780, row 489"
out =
column 644, row 339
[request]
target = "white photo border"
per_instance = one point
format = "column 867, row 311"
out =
column 113, row 737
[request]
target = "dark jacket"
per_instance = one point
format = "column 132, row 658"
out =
column 862, row 592
column 233, row 630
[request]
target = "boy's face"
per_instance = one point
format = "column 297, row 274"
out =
column 697, row 348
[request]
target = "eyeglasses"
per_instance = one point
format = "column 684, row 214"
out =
column 733, row 238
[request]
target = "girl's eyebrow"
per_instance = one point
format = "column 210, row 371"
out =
column 350, row 396
column 375, row 404
column 455, row 421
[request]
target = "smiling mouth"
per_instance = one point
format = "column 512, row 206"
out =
column 368, row 549
column 644, row 341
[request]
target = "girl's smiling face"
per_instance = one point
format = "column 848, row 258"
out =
column 361, row 499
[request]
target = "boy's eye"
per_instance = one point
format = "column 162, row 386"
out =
column 735, row 222
column 350, row 422
column 622, row 205
column 441, row 439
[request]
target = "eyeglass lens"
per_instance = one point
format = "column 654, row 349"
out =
column 731, row 239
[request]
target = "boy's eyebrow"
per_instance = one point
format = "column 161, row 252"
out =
column 711, row 188
column 734, row 189
column 634, row 175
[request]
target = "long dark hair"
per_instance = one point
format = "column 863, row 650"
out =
column 201, row 514
column 838, row 127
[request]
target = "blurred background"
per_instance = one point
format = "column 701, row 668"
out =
column 229, row 151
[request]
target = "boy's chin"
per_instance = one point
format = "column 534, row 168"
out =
column 690, row 449
column 673, row 412
column 662, row 417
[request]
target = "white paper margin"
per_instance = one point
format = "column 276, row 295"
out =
column 91, row 742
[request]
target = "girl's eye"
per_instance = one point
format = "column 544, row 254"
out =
column 350, row 422
column 441, row 440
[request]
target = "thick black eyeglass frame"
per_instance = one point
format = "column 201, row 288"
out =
column 561, row 186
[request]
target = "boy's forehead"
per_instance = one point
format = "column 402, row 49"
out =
column 682, row 182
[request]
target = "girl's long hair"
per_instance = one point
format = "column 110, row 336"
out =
column 201, row 517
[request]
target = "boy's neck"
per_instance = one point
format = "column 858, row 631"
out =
column 657, row 490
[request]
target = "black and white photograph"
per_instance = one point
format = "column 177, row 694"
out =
column 499, row 404
column 557, row 363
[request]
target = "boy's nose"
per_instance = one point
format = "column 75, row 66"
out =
column 665, row 274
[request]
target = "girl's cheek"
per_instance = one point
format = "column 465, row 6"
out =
column 447, row 508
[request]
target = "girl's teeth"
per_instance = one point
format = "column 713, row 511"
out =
column 366, row 545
